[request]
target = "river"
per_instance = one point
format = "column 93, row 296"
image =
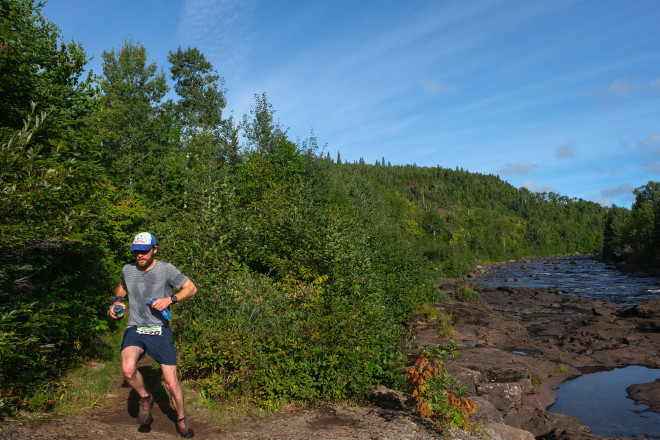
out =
column 578, row 275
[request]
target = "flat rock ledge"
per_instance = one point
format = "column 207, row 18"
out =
column 517, row 345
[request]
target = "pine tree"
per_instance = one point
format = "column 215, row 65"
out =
column 655, row 236
column 129, row 122
column 609, row 237
column 200, row 88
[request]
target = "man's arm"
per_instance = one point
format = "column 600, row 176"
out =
column 187, row 291
column 120, row 294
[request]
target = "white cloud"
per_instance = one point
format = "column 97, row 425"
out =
column 648, row 150
column 533, row 187
column 623, row 88
column 653, row 167
column 595, row 168
column 650, row 140
column 217, row 28
column 519, row 168
column 438, row 87
column 602, row 201
column 655, row 84
column 620, row 88
column 623, row 189
column 566, row 151
column 621, row 193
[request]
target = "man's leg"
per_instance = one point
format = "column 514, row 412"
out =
column 174, row 387
column 129, row 358
column 176, row 393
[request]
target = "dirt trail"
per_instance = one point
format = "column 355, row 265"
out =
column 116, row 419
column 332, row 422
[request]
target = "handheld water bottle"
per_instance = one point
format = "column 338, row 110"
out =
column 119, row 311
column 165, row 312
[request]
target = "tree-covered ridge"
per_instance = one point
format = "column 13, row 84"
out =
column 307, row 268
column 634, row 235
column 463, row 218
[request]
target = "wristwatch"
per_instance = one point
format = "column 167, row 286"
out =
column 174, row 299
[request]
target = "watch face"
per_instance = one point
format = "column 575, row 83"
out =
column 174, row 298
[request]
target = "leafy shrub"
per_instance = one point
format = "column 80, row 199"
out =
column 443, row 297
column 466, row 293
column 437, row 394
column 274, row 341
column 53, row 299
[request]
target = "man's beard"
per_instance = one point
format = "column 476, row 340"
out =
column 142, row 263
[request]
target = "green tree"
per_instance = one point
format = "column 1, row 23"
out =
column 655, row 236
column 609, row 237
column 45, row 189
column 36, row 66
column 200, row 88
column 262, row 132
column 210, row 145
column 642, row 219
column 47, row 168
column 132, row 126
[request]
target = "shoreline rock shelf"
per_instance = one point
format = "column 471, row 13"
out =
column 518, row 344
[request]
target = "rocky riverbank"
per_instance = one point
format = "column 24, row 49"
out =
column 517, row 345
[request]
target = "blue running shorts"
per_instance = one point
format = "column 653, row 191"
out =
column 159, row 347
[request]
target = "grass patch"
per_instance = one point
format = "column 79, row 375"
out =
column 446, row 326
column 221, row 412
column 87, row 386
column 466, row 293
column 430, row 312
column 435, row 316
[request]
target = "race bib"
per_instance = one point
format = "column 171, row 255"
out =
column 156, row 330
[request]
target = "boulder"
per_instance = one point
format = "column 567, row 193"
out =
column 646, row 394
column 499, row 431
column 392, row 399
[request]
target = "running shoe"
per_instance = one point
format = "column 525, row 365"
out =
column 184, row 428
column 144, row 410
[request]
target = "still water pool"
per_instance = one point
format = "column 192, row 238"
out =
column 599, row 400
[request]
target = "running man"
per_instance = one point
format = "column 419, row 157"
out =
column 147, row 332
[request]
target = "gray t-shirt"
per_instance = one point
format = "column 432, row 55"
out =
column 156, row 282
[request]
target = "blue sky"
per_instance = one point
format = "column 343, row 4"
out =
column 553, row 95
